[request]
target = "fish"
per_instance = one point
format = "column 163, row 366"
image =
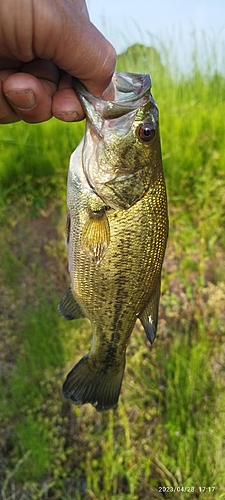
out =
column 117, row 229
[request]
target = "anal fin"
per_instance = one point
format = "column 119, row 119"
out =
column 68, row 307
column 149, row 317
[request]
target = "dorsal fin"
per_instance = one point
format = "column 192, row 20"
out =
column 149, row 317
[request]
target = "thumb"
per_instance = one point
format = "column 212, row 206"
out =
column 80, row 49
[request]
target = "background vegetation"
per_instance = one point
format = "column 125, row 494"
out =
column 166, row 439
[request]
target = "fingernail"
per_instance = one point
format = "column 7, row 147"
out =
column 22, row 100
column 67, row 116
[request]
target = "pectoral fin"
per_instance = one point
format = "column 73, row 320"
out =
column 96, row 235
column 68, row 306
column 149, row 317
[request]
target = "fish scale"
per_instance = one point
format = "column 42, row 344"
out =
column 116, row 241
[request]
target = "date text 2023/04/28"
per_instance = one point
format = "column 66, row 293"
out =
column 186, row 489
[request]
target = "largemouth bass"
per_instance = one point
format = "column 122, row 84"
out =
column 117, row 227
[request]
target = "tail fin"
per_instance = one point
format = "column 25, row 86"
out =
column 88, row 383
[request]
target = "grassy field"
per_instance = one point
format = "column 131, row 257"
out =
column 166, row 439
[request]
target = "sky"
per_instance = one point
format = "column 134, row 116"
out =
column 182, row 23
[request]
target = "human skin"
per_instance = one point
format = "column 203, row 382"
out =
column 43, row 44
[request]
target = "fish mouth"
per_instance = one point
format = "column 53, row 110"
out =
column 131, row 91
column 110, row 138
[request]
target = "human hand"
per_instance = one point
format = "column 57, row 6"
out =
column 42, row 45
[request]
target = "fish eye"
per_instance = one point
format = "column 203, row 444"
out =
column 146, row 132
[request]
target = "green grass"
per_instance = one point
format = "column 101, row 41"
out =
column 168, row 430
